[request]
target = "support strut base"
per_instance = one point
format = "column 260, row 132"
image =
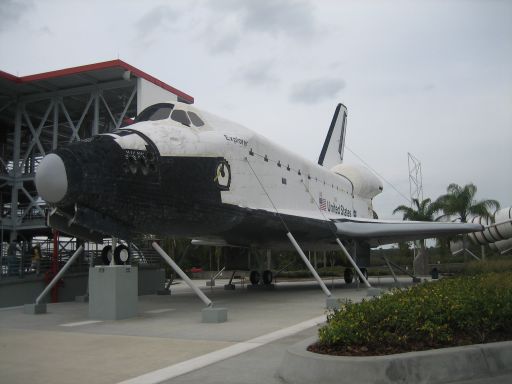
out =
column 34, row 309
column 214, row 315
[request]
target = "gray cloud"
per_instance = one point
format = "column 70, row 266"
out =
column 258, row 74
column 294, row 19
column 225, row 43
column 11, row 12
column 154, row 19
column 315, row 90
column 290, row 17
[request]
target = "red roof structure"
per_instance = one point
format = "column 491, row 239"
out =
column 78, row 76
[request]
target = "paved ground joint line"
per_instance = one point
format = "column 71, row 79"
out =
column 162, row 310
column 78, row 323
column 193, row 364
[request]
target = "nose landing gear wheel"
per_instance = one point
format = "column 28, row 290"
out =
column 122, row 255
column 106, row 254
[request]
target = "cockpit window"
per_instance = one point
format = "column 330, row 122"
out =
column 155, row 112
column 181, row 117
column 196, row 120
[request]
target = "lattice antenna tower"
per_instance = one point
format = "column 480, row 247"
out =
column 415, row 178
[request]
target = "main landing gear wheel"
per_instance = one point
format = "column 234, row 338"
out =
column 267, row 277
column 364, row 271
column 348, row 275
column 106, row 254
column 122, row 255
column 254, row 277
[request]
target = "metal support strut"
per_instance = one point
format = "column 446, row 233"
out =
column 59, row 274
column 182, row 274
column 308, row 264
column 363, row 278
column 292, row 239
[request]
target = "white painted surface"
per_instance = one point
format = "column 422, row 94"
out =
column 184, row 367
column 149, row 94
column 79, row 323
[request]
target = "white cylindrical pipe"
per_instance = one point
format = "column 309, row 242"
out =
column 182, row 274
column 59, row 274
column 353, row 263
column 503, row 220
column 308, row 264
column 502, row 246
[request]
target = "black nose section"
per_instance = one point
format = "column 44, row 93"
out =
column 80, row 173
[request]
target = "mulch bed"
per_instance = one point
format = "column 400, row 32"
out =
column 362, row 350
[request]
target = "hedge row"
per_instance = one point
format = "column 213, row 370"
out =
column 455, row 311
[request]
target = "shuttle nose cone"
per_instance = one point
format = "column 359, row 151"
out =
column 51, row 178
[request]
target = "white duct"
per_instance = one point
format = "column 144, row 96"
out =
column 502, row 246
column 497, row 233
column 503, row 220
column 486, row 236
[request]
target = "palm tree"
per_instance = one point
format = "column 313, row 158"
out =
column 421, row 211
column 460, row 204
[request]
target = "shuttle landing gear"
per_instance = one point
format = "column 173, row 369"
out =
column 265, row 278
column 348, row 275
column 121, row 255
column 364, row 271
column 254, row 277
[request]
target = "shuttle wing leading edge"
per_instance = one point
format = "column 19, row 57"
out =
column 380, row 232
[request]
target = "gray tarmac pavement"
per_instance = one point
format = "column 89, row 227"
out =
column 66, row 346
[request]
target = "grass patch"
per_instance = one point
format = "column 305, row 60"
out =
column 456, row 311
column 478, row 267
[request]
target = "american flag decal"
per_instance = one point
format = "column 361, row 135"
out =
column 323, row 205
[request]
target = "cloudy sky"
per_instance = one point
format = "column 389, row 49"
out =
column 433, row 78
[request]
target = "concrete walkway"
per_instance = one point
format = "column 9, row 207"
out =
column 66, row 346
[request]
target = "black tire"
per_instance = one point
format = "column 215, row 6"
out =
column 267, row 277
column 122, row 255
column 348, row 275
column 105, row 253
column 254, row 277
column 364, row 271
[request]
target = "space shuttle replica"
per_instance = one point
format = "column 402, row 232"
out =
column 180, row 171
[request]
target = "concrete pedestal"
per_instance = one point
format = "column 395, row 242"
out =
column 82, row 298
column 34, row 309
column 214, row 315
column 113, row 292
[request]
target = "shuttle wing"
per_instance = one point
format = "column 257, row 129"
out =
column 380, row 232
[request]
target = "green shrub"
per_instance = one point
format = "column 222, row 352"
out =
column 455, row 311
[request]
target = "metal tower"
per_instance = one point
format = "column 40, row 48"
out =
column 415, row 178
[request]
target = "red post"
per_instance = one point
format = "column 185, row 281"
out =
column 55, row 265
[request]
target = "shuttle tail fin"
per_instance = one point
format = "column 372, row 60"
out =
column 334, row 145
